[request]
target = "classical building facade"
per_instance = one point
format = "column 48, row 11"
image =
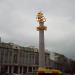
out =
column 18, row 59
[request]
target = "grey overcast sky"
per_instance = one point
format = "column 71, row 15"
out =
column 18, row 24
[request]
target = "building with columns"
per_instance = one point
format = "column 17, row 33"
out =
column 18, row 59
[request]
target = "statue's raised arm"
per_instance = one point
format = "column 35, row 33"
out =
column 40, row 17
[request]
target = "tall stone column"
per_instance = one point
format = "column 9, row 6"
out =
column 41, row 19
column 41, row 48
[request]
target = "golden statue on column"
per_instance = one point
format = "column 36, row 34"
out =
column 41, row 19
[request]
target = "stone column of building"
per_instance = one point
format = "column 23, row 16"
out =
column 22, row 70
column 12, row 69
column 18, row 60
column 27, row 69
column 8, row 69
column 4, row 57
column 18, row 69
column 34, row 59
column 8, row 61
column 0, row 68
column 41, row 19
column 32, row 68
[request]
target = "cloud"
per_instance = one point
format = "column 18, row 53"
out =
column 18, row 23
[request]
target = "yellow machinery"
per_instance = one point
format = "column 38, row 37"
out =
column 45, row 71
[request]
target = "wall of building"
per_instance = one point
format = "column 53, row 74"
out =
column 17, row 59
